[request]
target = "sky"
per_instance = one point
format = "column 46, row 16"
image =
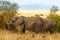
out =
column 31, row 2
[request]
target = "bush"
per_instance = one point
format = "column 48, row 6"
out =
column 6, row 16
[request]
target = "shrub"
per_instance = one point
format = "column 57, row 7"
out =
column 5, row 17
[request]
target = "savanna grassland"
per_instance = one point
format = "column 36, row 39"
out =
column 29, row 13
column 12, row 35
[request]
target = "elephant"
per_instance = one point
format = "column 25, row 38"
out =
column 35, row 24
column 26, row 23
column 49, row 25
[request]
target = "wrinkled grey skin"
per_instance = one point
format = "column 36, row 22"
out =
column 48, row 25
column 26, row 23
column 34, row 24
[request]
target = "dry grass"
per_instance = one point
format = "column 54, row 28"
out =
column 34, row 12
column 29, row 13
column 8, row 35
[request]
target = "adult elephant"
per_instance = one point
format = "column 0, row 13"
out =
column 48, row 25
column 34, row 24
column 26, row 23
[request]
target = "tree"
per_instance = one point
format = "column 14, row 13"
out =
column 7, row 11
column 7, row 5
column 53, row 10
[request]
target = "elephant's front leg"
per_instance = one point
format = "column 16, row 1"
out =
column 20, row 29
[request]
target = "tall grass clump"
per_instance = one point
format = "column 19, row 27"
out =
column 7, row 11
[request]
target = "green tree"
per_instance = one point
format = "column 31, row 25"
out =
column 7, row 11
column 7, row 5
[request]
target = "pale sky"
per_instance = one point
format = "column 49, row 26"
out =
column 44, row 2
